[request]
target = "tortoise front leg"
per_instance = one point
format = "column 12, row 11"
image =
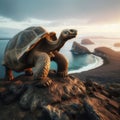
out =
column 62, row 64
column 41, row 68
column 8, row 74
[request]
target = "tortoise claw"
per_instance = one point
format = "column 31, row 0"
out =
column 44, row 82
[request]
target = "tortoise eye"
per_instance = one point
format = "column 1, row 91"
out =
column 71, row 30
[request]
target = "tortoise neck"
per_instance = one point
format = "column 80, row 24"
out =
column 57, row 44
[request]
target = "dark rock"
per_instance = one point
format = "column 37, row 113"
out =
column 90, row 111
column 11, row 93
column 43, row 114
column 55, row 113
column 67, row 99
column 7, row 96
column 86, row 41
column 16, row 89
column 114, row 90
column 78, row 49
column 26, row 99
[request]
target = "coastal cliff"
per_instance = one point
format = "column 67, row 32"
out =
column 107, row 53
column 109, row 71
column 78, row 49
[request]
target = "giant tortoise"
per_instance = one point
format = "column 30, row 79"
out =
column 35, row 47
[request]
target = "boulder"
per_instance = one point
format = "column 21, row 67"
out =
column 79, row 49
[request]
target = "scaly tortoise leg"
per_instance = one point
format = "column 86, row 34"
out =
column 42, row 67
column 8, row 74
column 62, row 64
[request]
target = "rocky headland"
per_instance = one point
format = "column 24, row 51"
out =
column 67, row 98
column 109, row 71
column 79, row 49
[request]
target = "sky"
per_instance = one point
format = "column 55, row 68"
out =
column 88, row 16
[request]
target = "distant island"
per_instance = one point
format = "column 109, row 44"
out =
column 101, row 37
column 117, row 44
column 86, row 41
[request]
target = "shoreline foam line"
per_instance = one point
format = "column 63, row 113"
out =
column 98, row 62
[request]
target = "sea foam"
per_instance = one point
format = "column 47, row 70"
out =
column 98, row 62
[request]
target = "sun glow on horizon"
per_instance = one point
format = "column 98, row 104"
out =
column 108, row 29
column 82, row 26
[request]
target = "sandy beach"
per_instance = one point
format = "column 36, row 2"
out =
column 108, row 72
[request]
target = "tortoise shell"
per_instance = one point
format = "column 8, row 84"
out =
column 25, row 40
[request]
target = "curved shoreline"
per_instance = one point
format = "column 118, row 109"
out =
column 108, row 72
column 98, row 62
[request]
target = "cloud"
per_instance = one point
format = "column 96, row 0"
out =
column 9, row 27
column 56, row 15
column 9, row 23
column 93, row 10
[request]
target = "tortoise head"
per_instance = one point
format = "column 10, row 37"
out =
column 68, row 34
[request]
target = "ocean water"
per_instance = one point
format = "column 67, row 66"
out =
column 77, row 63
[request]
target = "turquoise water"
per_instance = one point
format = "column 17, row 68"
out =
column 75, row 61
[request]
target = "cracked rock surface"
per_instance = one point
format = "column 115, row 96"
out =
column 66, row 99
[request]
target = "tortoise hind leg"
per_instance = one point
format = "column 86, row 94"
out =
column 8, row 74
column 42, row 66
column 28, row 71
column 62, row 64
